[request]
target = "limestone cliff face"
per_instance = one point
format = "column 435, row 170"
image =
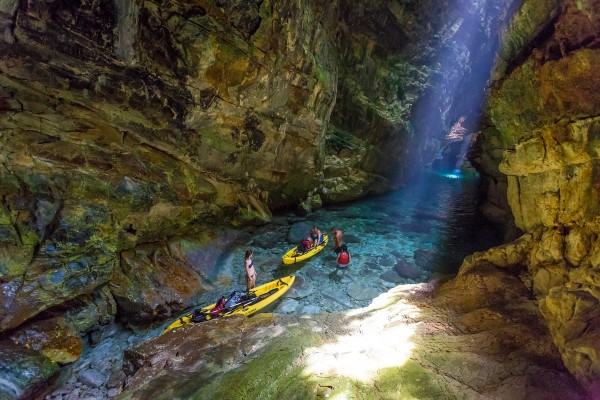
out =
column 540, row 149
column 133, row 135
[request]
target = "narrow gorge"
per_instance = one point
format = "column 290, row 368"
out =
column 145, row 144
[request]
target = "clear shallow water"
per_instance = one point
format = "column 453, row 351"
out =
column 403, row 237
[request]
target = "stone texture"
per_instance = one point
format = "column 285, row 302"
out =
column 466, row 341
column 55, row 338
column 87, row 313
column 361, row 292
column 23, row 371
column 540, row 145
column 392, row 276
column 407, row 270
column 153, row 282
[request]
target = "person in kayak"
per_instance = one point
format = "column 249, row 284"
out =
column 304, row 246
column 337, row 236
column 250, row 270
column 316, row 236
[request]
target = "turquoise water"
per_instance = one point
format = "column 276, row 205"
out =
column 401, row 238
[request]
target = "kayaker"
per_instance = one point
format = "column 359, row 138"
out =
column 337, row 236
column 304, row 246
column 250, row 270
column 316, row 236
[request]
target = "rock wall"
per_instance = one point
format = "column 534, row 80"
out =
column 135, row 134
column 539, row 149
column 125, row 125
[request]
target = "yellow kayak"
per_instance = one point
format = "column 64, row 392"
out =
column 293, row 256
column 238, row 303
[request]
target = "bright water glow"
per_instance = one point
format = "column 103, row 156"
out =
column 456, row 174
column 376, row 340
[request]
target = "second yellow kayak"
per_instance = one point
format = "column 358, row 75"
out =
column 293, row 256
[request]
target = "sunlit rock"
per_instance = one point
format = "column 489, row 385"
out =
column 405, row 345
column 548, row 277
column 577, row 244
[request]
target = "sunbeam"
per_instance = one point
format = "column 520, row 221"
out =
column 377, row 340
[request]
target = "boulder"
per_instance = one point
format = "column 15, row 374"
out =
column 23, row 371
column 55, row 338
column 153, row 282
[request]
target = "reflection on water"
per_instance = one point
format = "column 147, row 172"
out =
column 403, row 237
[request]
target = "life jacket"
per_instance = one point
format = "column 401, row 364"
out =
column 218, row 307
column 343, row 258
column 303, row 246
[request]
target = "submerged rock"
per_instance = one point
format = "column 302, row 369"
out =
column 407, row 270
column 361, row 292
column 392, row 276
column 338, row 297
column 287, row 306
column 300, row 289
column 425, row 258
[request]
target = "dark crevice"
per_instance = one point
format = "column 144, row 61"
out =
column 541, row 38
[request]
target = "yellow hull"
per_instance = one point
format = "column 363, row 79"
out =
column 282, row 285
column 290, row 257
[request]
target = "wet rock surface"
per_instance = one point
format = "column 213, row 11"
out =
column 99, row 373
column 54, row 338
column 410, row 342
